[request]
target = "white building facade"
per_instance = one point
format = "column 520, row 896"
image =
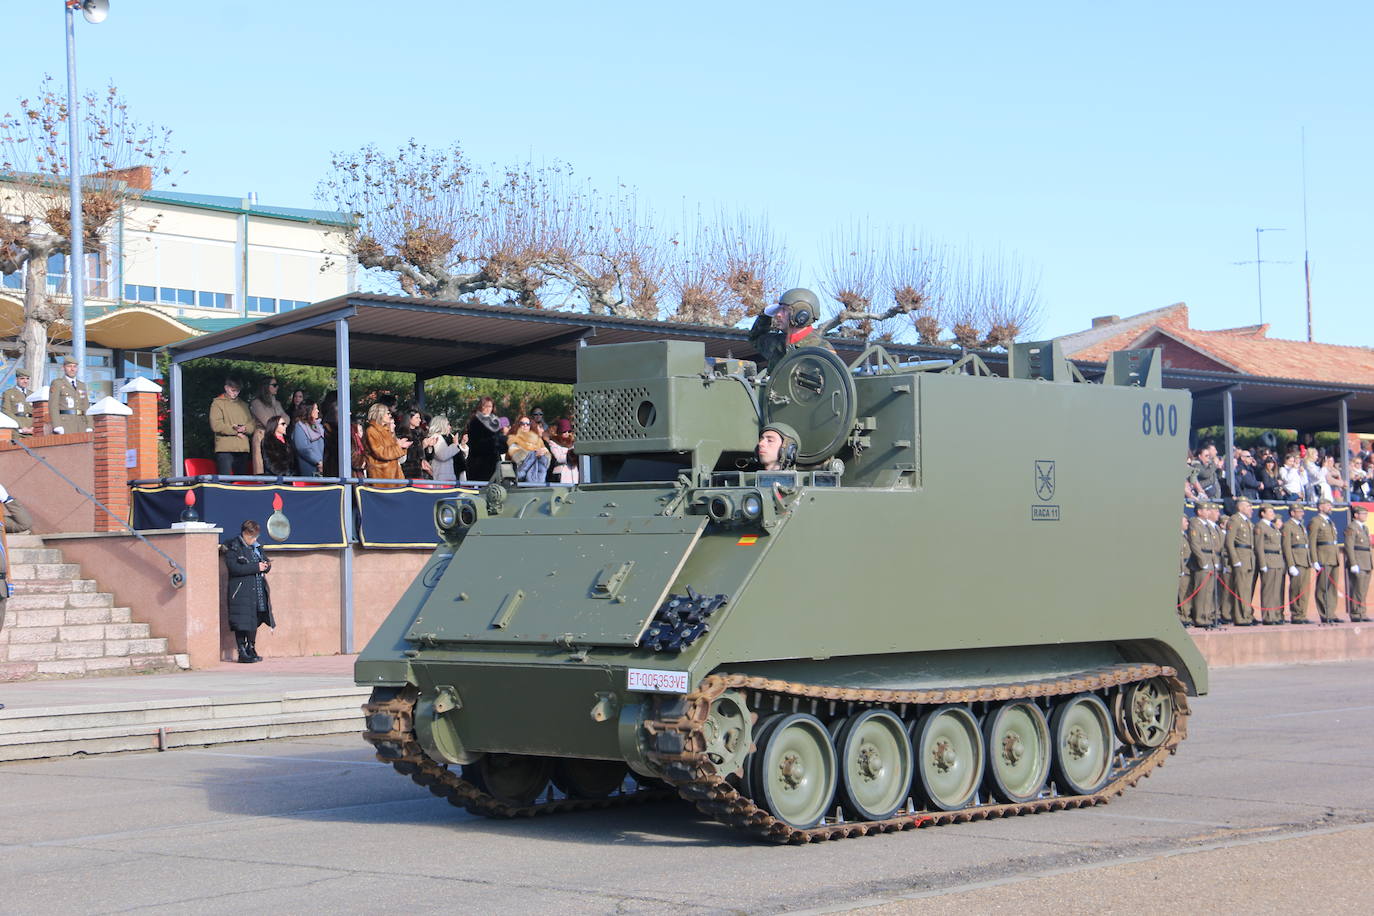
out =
column 172, row 265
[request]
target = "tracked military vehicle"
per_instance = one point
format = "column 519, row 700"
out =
column 953, row 603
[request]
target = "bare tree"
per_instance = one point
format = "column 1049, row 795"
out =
column 877, row 279
column 122, row 158
column 992, row 300
column 528, row 235
column 892, row 271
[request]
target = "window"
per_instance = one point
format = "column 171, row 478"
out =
column 175, row 296
column 14, row 280
column 262, row 305
column 215, row 300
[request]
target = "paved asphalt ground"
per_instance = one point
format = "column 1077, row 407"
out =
column 1268, row 807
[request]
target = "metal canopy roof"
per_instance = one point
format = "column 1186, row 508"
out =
column 434, row 338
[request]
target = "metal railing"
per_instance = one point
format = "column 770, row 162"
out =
column 178, row 574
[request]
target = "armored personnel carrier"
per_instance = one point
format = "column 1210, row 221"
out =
column 953, row 602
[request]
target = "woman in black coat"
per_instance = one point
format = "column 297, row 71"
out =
column 485, row 442
column 250, row 599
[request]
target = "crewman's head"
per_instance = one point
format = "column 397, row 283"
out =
column 777, row 448
column 22, row 379
column 1243, row 507
column 1324, row 506
column 1266, row 512
column 1297, row 510
column 1359, row 512
column 69, row 367
column 796, row 308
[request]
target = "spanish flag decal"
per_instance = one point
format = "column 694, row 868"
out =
column 747, row 540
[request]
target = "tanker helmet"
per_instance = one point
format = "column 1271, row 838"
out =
column 787, row 452
column 802, row 304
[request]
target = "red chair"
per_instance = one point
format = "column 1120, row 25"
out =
column 199, row 467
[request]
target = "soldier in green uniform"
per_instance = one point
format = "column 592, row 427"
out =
column 1326, row 555
column 1184, row 579
column 1357, row 561
column 68, row 401
column 1239, row 595
column 787, row 325
column 1204, row 541
column 15, row 404
column 1297, row 556
column 1269, row 557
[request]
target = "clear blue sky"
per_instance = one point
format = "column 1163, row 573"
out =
column 1128, row 151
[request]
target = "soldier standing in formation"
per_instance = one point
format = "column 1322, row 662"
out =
column 1184, row 579
column 788, row 325
column 1269, row 557
column 16, row 404
column 1297, row 556
column 68, row 401
column 1238, row 597
column 1321, row 534
column 1204, row 540
column 1357, row 561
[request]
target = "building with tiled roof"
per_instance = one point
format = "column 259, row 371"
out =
column 1247, row 350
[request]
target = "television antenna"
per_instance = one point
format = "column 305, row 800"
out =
column 1259, row 263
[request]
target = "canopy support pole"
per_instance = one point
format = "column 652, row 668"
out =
column 177, row 420
column 1343, row 412
column 1229, row 418
column 344, row 409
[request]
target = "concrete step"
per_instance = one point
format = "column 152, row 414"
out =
column 68, row 667
column 24, row 600
column 23, row 541
column 35, row 554
column 53, row 586
column 28, row 734
column 22, row 571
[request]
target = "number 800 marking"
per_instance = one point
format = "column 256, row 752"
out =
column 1155, row 419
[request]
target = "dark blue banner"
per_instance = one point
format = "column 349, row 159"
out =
column 400, row 516
column 314, row 514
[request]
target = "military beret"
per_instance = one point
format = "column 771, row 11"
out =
column 1362, row 510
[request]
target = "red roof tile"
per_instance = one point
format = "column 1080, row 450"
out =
column 1246, row 350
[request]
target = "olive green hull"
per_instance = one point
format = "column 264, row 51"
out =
column 988, row 530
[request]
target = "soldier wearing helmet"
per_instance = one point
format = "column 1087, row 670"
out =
column 786, row 325
column 777, row 448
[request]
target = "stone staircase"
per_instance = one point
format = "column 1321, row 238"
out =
column 58, row 625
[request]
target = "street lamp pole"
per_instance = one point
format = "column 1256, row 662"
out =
column 94, row 11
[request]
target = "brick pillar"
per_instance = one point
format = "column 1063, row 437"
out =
column 143, row 432
column 109, row 418
column 38, row 410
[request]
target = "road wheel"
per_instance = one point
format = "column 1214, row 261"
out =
column 579, row 778
column 795, row 774
column 875, row 764
column 1018, row 741
column 516, row 779
column 949, row 756
column 1082, row 730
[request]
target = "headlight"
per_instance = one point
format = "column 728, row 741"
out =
column 467, row 513
column 721, row 508
column 752, row 506
column 446, row 515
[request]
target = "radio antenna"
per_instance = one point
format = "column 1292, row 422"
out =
column 1306, row 262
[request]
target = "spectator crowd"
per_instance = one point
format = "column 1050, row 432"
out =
column 1300, row 473
column 393, row 441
